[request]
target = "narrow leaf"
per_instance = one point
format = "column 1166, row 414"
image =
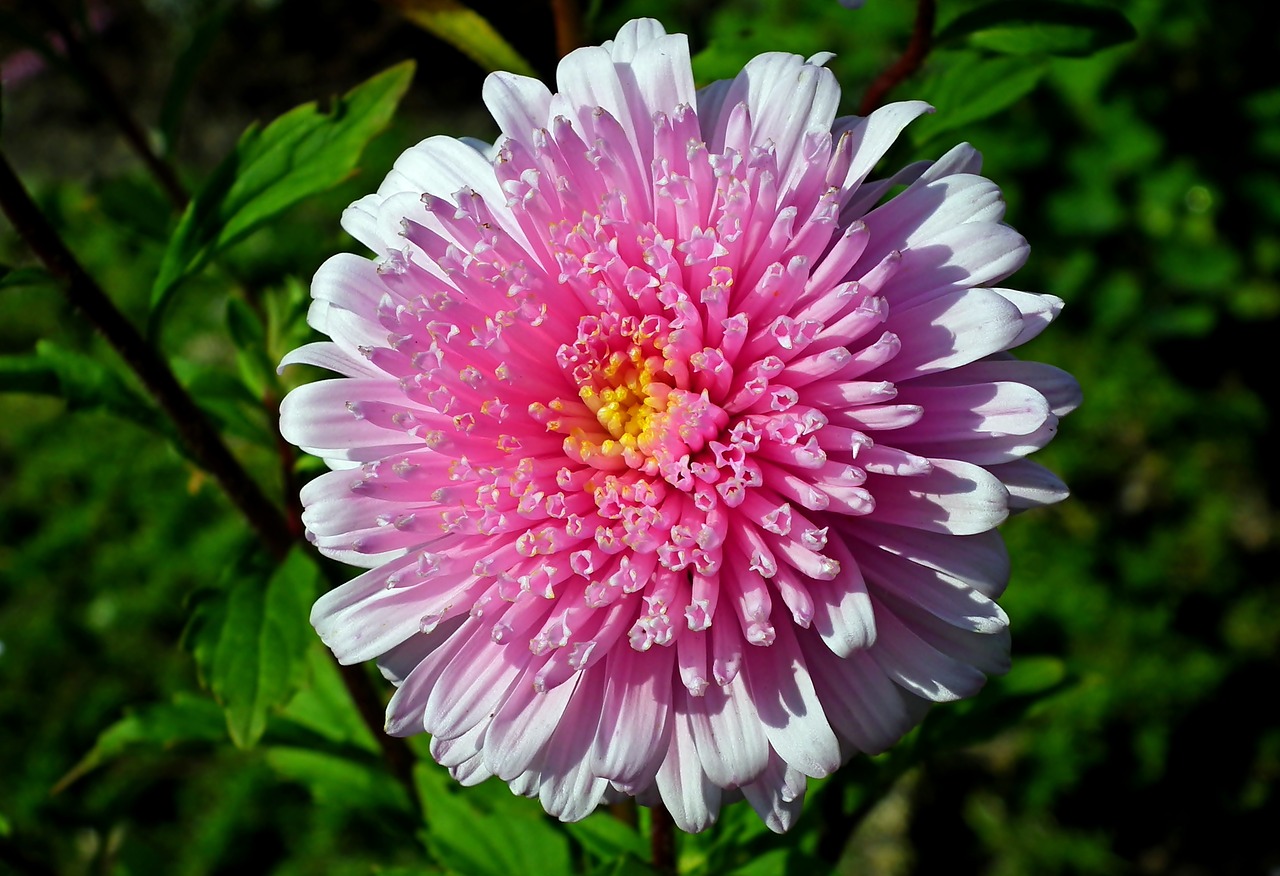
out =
column 466, row 30
column 303, row 152
column 1015, row 27
column 161, row 725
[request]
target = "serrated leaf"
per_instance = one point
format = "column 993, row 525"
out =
column 1016, row 27
column 250, row 641
column 347, row 782
column 162, row 725
column 531, row 844
column 300, row 154
column 965, row 88
column 466, row 30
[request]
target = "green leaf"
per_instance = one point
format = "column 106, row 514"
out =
column 1016, row 27
column 530, row 843
column 605, row 837
column 83, row 382
column 250, row 338
column 250, row 641
column 467, row 31
column 161, row 725
column 303, row 152
column 965, row 88
column 347, row 782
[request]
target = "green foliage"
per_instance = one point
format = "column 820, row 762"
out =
column 250, row 640
column 1015, row 27
column 303, row 152
column 528, row 842
column 467, row 31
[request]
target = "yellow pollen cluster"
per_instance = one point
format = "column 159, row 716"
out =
column 621, row 400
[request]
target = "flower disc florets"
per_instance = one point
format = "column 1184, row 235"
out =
column 674, row 448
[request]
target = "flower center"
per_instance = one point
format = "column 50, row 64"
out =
column 641, row 417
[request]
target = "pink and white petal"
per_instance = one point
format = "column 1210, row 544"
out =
column 400, row 660
column 866, row 708
column 778, row 796
column 930, row 207
column 519, row 104
column 963, row 410
column 874, row 134
column 637, row 715
column 842, row 614
column 789, row 709
column 1060, row 389
column 369, row 615
column 691, row 798
column 932, row 591
column 326, row 354
column 1030, row 484
column 955, row 497
column 984, row 449
column 477, row 680
column 918, row 666
column 524, row 724
column 981, row 561
column 973, row 254
column 947, row 330
column 1038, row 310
column 317, row 414
column 728, row 735
column 987, row 652
column 633, row 36
column 569, row 790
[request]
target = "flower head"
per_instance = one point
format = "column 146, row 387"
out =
column 673, row 448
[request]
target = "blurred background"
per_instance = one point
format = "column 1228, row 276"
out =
column 1136, row 735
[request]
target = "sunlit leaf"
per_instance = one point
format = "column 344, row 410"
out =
column 466, row 30
column 1016, row 27
column 530, row 844
column 250, row 641
column 965, row 87
column 303, row 152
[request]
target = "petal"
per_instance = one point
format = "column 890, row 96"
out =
column 954, row 497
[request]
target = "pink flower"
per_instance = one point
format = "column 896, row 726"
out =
column 673, row 448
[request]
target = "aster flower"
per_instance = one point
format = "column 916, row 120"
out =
column 673, row 448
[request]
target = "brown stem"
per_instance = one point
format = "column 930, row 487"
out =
column 662, row 841
column 104, row 94
column 917, row 50
column 199, row 438
column 568, row 25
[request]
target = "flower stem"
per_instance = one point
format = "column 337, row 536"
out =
column 199, row 438
column 568, row 25
column 662, row 841
column 917, row 50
